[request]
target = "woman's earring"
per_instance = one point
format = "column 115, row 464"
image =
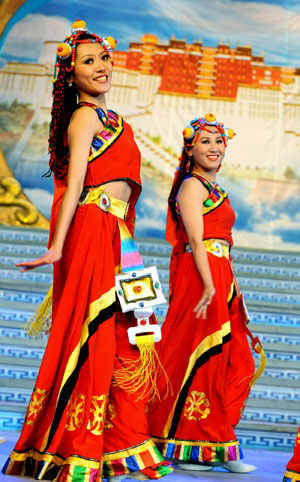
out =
column 70, row 84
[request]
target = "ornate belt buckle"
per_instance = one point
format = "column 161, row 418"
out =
column 139, row 289
column 218, row 251
column 104, row 201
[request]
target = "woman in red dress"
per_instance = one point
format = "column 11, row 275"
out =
column 79, row 425
column 205, row 350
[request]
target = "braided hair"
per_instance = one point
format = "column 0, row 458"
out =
column 185, row 167
column 63, row 105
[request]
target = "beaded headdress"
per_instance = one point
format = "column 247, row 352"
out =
column 68, row 47
column 192, row 132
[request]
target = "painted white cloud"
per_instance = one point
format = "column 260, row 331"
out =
column 26, row 37
column 247, row 239
column 282, row 222
column 262, row 25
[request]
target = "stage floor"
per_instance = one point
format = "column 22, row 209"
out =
column 270, row 466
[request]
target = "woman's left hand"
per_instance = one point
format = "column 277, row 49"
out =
column 206, row 298
column 49, row 257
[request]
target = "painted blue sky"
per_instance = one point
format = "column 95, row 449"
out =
column 272, row 26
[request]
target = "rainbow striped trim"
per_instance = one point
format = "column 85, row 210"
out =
column 52, row 467
column 131, row 460
column 130, row 257
column 195, row 451
column 291, row 476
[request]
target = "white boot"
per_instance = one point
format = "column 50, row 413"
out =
column 127, row 477
column 238, row 467
column 197, row 467
column 117, row 478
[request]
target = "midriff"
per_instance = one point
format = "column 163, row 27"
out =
column 118, row 190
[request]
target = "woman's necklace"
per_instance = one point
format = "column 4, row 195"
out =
column 213, row 183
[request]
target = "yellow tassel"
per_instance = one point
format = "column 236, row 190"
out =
column 140, row 376
column 40, row 321
column 262, row 365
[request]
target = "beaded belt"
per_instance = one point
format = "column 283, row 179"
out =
column 212, row 246
column 98, row 196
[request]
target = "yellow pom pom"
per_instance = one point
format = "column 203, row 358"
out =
column 188, row 132
column 111, row 42
column 63, row 50
column 210, row 117
column 79, row 24
column 230, row 134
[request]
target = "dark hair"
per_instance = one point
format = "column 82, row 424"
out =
column 63, row 105
column 185, row 168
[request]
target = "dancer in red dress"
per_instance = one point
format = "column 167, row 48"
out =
column 205, row 350
column 292, row 473
column 79, row 425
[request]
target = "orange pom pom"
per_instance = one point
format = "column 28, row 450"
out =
column 188, row 132
column 210, row 117
column 230, row 134
column 111, row 42
column 79, row 24
column 63, row 50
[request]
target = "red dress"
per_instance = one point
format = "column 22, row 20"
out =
column 208, row 361
column 292, row 473
column 77, row 426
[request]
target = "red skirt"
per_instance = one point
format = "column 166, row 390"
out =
column 292, row 473
column 73, row 405
column 209, row 363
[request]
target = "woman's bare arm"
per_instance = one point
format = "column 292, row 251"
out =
column 190, row 199
column 82, row 128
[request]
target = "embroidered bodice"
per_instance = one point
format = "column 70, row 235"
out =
column 218, row 215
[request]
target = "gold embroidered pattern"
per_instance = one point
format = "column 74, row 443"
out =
column 97, row 414
column 196, row 406
column 76, row 411
column 110, row 415
column 36, row 403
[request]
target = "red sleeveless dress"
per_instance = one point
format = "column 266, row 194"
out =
column 78, row 427
column 208, row 361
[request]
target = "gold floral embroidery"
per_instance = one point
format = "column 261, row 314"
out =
column 97, row 414
column 196, row 406
column 36, row 403
column 110, row 415
column 298, row 438
column 76, row 411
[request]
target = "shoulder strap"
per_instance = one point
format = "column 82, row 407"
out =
column 204, row 181
column 101, row 114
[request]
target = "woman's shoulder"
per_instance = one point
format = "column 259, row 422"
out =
column 191, row 188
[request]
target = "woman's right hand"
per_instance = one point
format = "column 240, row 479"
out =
column 206, row 298
column 51, row 256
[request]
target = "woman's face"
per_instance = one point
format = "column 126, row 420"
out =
column 92, row 70
column 209, row 150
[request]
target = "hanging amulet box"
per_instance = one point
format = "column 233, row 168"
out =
column 139, row 288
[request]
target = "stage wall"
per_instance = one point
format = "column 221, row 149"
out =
column 175, row 59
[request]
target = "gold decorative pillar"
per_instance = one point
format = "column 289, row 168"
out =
column 15, row 207
column 7, row 10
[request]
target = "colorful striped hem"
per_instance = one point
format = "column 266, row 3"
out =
column 291, row 476
column 52, row 467
column 196, row 451
column 133, row 459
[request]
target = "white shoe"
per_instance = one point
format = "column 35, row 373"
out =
column 127, row 477
column 118, row 478
column 238, row 467
column 199, row 467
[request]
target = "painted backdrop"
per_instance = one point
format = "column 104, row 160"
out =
column 175, row 59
